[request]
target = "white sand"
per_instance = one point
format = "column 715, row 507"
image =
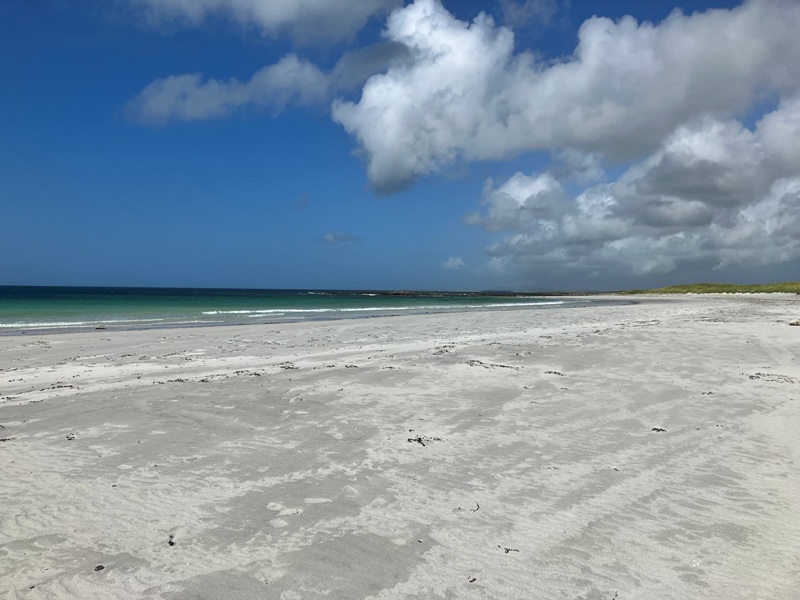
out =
column 278, row 457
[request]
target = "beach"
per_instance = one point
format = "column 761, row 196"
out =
column 618, row 451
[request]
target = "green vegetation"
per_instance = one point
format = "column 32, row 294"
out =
column 787, row 287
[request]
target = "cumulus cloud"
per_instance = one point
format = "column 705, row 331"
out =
column 355, row 67
column 520, row 201
column 465, row 94
column 453, row 263
column 663, row 102
column 190, row 97
column 716, row 194
column 306, row 20
column 290, row 81
column 581, row 167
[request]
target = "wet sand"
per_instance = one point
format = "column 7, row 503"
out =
column 639, row 451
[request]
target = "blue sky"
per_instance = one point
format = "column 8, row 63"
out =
column 528, row 144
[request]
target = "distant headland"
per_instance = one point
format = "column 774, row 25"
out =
column 786, row 287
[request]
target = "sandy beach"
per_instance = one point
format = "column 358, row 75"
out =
column 646, row 450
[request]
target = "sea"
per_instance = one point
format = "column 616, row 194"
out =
column 25, row 309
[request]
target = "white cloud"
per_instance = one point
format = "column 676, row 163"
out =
column 715, row 195
column 290, row 81
column 581, row 167
column 453, row 263
column 306, row 20
column 700, row 189
column 189, row 97
column 466, row 95
column 410, row 119
column 520, row 201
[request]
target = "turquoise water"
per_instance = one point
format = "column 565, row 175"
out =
column 60, row 308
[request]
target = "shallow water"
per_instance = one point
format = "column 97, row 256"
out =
column 70, row 308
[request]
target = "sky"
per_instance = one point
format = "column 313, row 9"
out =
column 390, row 144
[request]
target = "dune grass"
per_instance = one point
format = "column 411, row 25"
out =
column 787, row 287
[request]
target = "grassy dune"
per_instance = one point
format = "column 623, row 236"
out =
column 790, row 287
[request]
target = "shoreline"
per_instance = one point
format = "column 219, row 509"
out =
column 641, row 450
column 100, row 326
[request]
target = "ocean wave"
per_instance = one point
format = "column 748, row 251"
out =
column 59, row 324
column 279, row 311
column 212, row 317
